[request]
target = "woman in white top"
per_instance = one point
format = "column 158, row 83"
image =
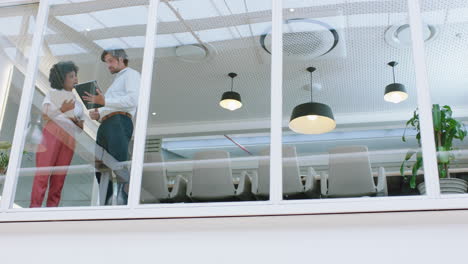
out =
column 63, row 117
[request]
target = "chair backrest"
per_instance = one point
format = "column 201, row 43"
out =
column 291, row 175
column 350, row 172
column 154, row 180
column 212, row 175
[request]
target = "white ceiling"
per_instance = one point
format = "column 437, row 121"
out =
column 352, row 80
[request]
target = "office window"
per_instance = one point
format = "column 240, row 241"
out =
column 18, row 24
column 209, row 114
column 60, row 157
column 445, row 31
column 343, row 133
column 349, row 94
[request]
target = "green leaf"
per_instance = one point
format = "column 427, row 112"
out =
column 442, row 171
column 409, row 122
column 448, row 111
column 436, row 117
column 414, row 172
column 412, row 182
column 408, row 156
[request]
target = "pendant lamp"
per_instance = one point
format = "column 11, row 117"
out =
column 395, row 92
column 230, row 99
column 312, row 117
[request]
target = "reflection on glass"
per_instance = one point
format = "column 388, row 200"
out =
column 202, row 146
column 345, row 41
column 446, row 48
column 15, row 35
column 206, row 169
column 85, row 100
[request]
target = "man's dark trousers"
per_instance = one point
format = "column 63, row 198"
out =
column 114, row 135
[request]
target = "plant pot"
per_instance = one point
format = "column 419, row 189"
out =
column 447, row 186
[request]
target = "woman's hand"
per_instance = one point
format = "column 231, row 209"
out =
column 94, row 114
column 45, row 117
column 79, row 123
column 67, row 105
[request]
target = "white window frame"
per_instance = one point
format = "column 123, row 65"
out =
column 275, row 206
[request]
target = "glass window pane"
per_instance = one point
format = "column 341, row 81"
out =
column 446, row 32
column 208, row 129
column 15, row 40
column 72, row 144
column 345, row 110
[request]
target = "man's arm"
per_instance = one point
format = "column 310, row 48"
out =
column 132, row 87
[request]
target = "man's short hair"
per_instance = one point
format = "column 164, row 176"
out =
column 116, row 53
column 58, row 73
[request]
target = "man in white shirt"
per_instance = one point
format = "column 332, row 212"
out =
column 116, row 129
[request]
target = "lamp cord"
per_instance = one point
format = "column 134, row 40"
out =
column 393, row 68
column 311, row 87
column 232, row 83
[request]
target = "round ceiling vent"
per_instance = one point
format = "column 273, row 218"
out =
column 304, row 39
column 194, row 52
column 399, row 36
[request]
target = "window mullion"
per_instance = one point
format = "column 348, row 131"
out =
column 424, row 101
column 143, row 105
column 276, row 165
column 25, row 107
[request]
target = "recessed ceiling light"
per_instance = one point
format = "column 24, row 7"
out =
column 303, row 32
column 154, row 113
column 88, row 29
column 399, row 35
column 292, row 10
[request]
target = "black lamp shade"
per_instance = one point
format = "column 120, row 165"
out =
column 395, row 93
column 312, row 118
column 231, row 101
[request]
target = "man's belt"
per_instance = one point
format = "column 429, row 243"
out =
column 115, row 113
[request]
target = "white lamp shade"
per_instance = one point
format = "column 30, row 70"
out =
column 230, row 104
column 395, row 93
column 231, row 101
column 396, row 97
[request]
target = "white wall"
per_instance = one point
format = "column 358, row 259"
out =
column 423, row 237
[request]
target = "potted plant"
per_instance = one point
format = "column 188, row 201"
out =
column 446, row 129
column 4, row 156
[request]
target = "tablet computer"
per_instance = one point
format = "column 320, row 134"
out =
column 89, row 87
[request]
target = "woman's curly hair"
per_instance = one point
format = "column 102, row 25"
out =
column 59, row 71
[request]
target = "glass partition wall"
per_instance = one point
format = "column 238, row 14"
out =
column 348, row 90
column 77, row 151
column 446, row 31
column 18, row 24
column 211, row 127
column 209, row 114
